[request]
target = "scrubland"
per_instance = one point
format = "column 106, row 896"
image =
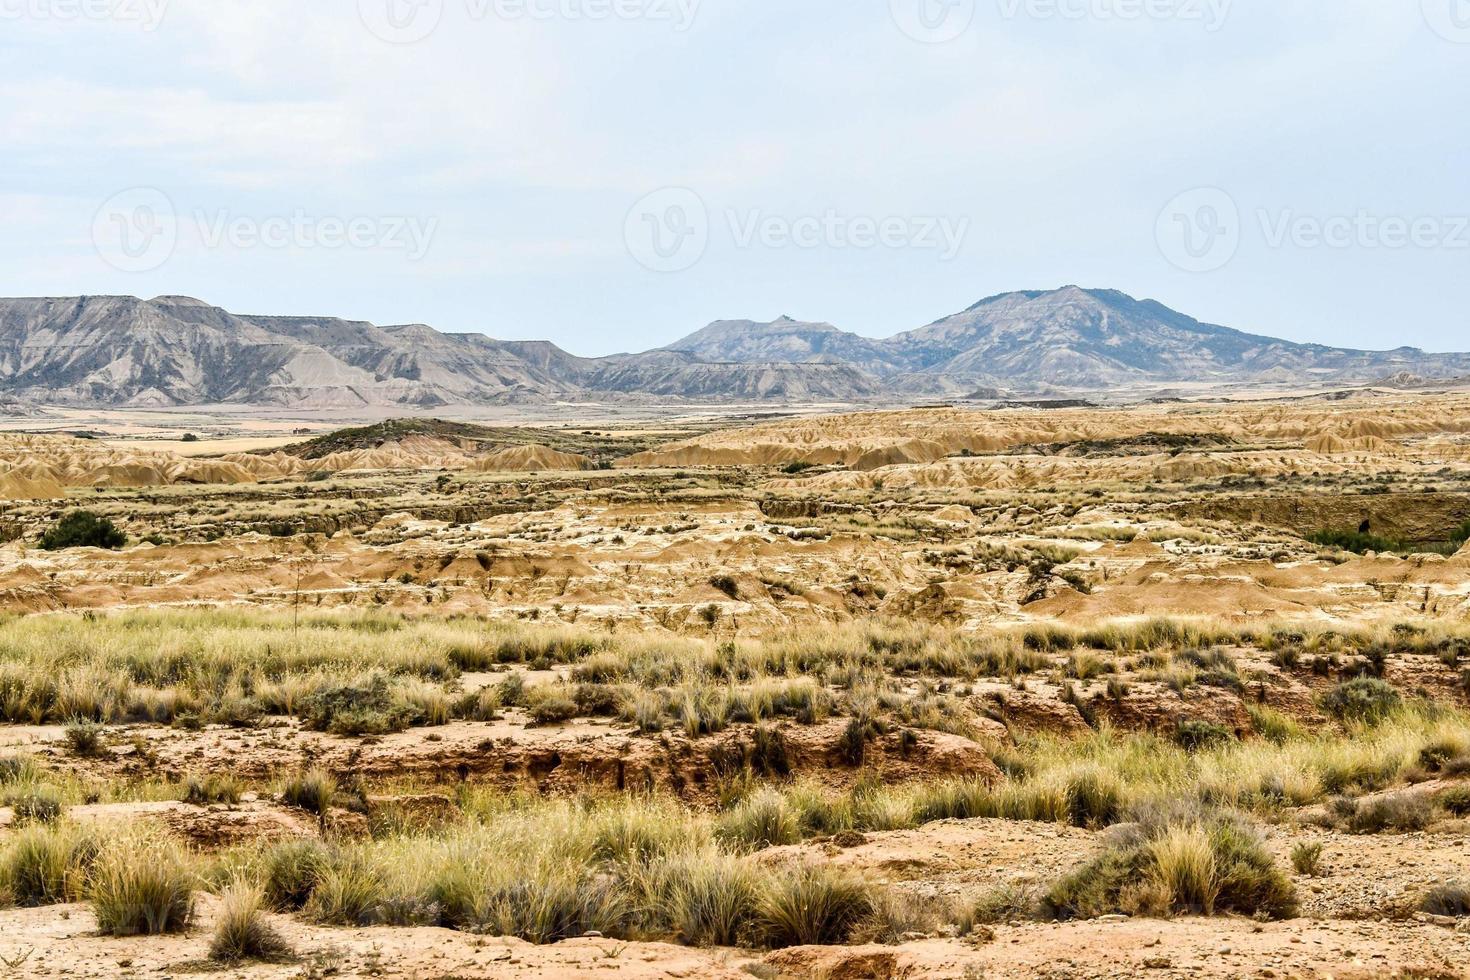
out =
column 756, row 719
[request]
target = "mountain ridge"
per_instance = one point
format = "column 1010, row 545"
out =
column 178, row 350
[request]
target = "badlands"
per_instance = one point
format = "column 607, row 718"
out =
column 1173, row 690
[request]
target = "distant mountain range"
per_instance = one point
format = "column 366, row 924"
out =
column 172, row 350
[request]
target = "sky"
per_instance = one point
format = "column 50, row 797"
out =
column 611, row 175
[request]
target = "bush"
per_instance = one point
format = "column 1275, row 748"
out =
column 312, row 791
column 241, row 931
column 38, row 804
column 706, row 898
column 1009, row 903
column 142, row 886
column 291, row 870
column 365, row 708
column 1363, row 699
column 1403, row 812
column 1306, row 859
column 1194, row 735
column 549, row 704
column 17, row 769
column 764, row 819
column 1177, row 861
column 347, row 893
column 214, row 788
column 83, row 529
column 84, row 738
column 46, row 865
column 1451, row 899
column 1456, row 800
column 813, row 906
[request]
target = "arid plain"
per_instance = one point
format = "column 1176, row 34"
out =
column 1174, row 690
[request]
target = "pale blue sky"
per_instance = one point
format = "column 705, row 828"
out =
column 509, row 149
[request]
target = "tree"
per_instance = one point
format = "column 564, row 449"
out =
column 83, row 529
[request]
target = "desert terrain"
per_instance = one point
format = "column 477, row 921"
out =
column 1177, row 689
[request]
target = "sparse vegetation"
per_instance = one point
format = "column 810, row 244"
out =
column 1177, row 861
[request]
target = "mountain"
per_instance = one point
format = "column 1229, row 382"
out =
column 681, row 375
column 120, row 350
column 173, row 350
column 784, row 341
column 1063, row 339
column 1098, row 338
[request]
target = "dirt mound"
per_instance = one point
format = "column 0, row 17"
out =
column 881, row 439
column 30, row 482
column 530, row 459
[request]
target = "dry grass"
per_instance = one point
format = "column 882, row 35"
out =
column 142, row 885
column 241, row 930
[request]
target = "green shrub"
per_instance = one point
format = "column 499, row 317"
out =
column 85, row 738
column 1456, row 800
column 706, row 898
column 1363, row 699
column 1011, row 902
column 83, row 529
column 1306, row 858
column 549, row 704
column 551, row 906
column 17, row 769
column 1402, row 812
column 1194, row 735
column 366, row 708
